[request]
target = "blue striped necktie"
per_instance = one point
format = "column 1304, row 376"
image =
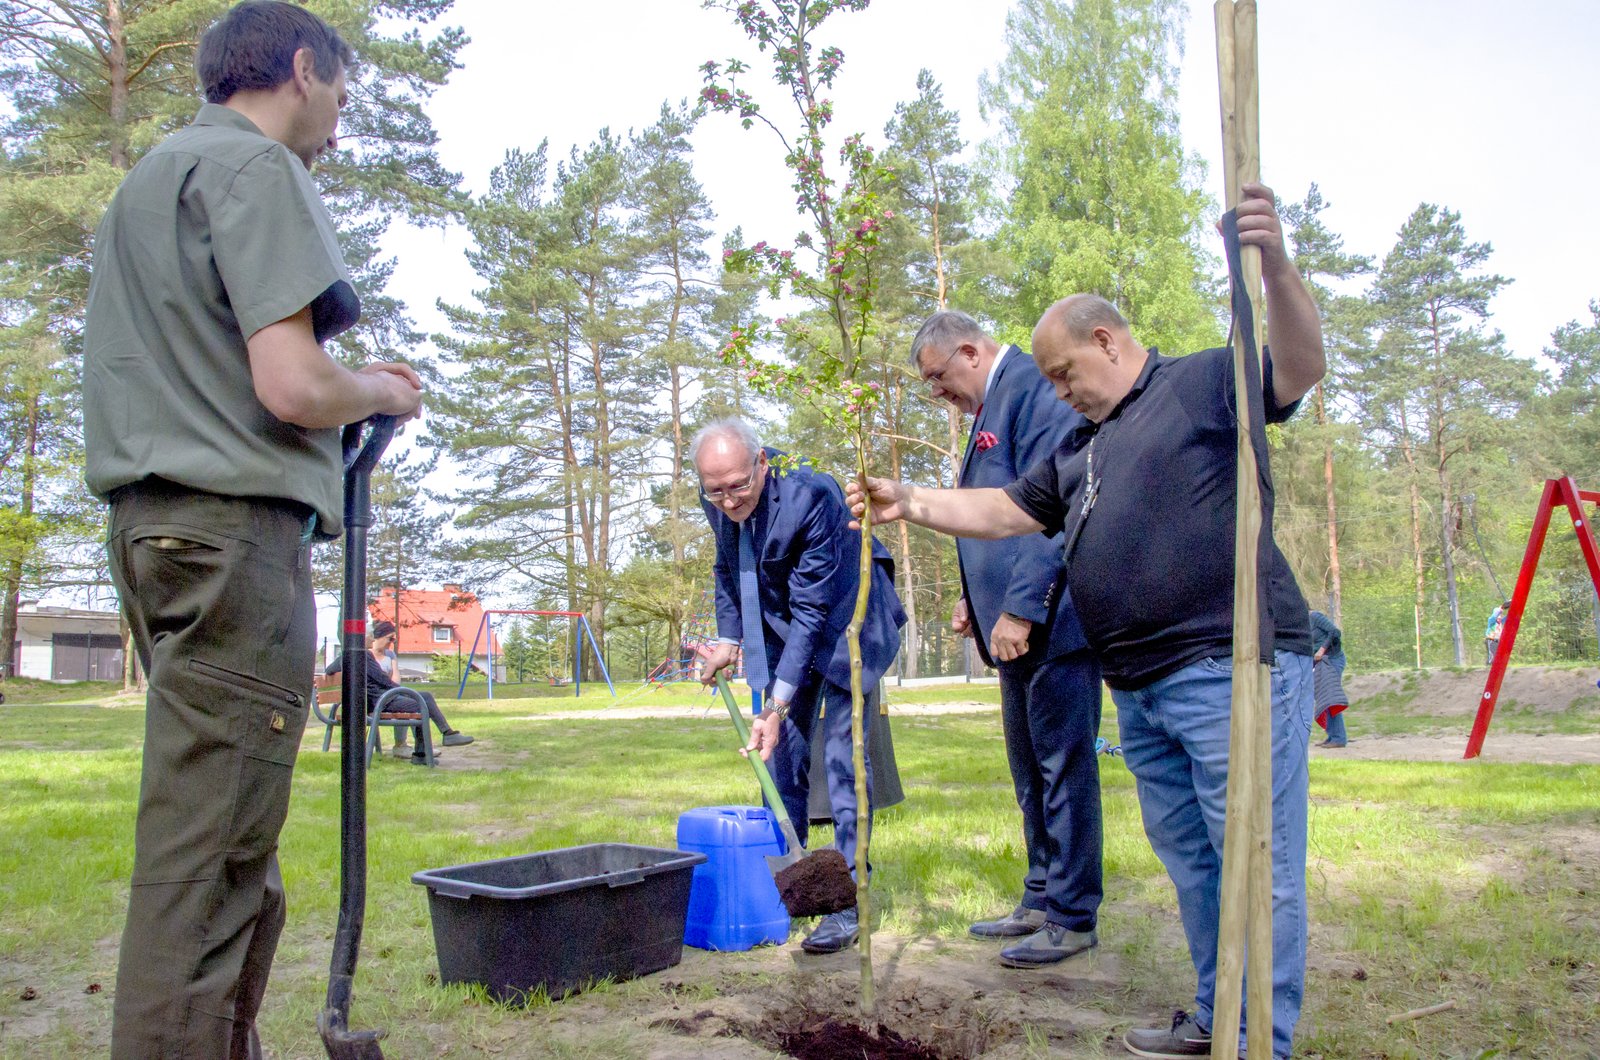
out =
column 755, row 641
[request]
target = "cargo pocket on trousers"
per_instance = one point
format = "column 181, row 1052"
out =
column 267, row 738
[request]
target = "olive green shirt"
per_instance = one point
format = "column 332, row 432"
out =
column 215, row 234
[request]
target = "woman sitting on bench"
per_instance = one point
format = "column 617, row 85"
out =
column 381, row 678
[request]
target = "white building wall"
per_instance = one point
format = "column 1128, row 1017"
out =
column 36, row 659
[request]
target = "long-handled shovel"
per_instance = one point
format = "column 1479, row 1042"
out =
column 341, row 1042
column 813, row 884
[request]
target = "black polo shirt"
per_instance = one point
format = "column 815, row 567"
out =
column 1150, row 565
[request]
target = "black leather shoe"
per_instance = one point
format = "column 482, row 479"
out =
column 1019, row 922
column 836, row 931
column 1048, row 945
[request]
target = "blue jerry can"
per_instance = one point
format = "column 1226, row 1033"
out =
column 733, row 903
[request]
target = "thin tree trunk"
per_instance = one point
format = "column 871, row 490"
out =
column 908, row 589
column 955, row 444
column 941, row 294
column 399, row 583
column 601, row 552
column 117, row 76
column 675, row 487
column 132, row 677
column 1447, row 542
column 12, row 587
column 1416, row 531
column 1335, row 585
column 1447, row 535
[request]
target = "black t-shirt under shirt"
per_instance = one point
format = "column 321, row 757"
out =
column 1151, row 566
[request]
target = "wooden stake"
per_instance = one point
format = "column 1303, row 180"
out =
column 1418, row 1013
column 1247, row 846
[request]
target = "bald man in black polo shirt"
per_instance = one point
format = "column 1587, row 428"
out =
column 1145, row 495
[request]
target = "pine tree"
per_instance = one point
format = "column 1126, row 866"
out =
column 670, row 219
column 1321, row 258
column 1438, row 387
column 1099, row 195
column 92, row 87
column 1571, row 420
column 926, row 243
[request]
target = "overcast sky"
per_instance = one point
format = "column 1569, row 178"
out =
column 1383, row 103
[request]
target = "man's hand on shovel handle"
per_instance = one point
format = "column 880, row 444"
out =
column 714, row 657
column 764, row 733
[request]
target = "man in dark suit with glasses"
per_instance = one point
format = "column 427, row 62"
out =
column 786, row 579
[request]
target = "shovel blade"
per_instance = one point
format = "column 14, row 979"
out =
column 345, row 1044
column 776, row 863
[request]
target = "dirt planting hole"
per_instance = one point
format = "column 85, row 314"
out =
column 831, row 1038
column 822, row 1023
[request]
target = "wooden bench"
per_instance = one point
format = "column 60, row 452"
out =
column 393, row 709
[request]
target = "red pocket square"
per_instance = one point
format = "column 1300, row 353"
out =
column 985, row 440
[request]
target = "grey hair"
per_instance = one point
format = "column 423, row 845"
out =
column 726, row 427
column 1082, row 313
column 945, row 328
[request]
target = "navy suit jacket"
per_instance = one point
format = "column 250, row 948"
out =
column 1020, row 575
column 807, row 560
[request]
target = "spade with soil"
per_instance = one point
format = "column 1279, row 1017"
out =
column 814, row 884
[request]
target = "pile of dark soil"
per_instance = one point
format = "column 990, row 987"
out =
column 818, row 884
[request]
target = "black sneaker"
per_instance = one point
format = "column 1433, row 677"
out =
column 1183, row 1039
column 456, row 738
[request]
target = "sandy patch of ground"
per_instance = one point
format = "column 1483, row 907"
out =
column 1500, row 747
column 950, row 995
column 1457, row 692
column 716, row 708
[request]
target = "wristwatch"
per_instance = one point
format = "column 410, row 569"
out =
column 780, row 709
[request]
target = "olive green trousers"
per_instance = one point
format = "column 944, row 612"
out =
column 218, row 593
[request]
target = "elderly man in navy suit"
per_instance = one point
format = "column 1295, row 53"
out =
column 786, row 577
column 1015, row 599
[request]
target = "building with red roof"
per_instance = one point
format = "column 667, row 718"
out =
column 434, row 622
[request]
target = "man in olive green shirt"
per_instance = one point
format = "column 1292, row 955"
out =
column 211, row 416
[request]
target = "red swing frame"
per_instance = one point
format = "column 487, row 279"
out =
column 1568, row 493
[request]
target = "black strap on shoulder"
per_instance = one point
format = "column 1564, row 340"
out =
column 1242, row 330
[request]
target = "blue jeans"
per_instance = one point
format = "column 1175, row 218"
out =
column 1175, row 741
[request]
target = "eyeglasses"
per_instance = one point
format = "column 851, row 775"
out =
column 718, row 496
column 936, row 378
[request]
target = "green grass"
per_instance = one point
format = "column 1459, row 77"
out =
column 30, row 690
column 1470, row 881
column 595, row 694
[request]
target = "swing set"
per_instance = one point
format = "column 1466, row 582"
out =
column 578, row 623
column 1556, row 491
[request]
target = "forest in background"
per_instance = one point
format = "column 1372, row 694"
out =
column 564, row 392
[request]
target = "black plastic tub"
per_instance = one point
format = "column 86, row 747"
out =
column 558, row 920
